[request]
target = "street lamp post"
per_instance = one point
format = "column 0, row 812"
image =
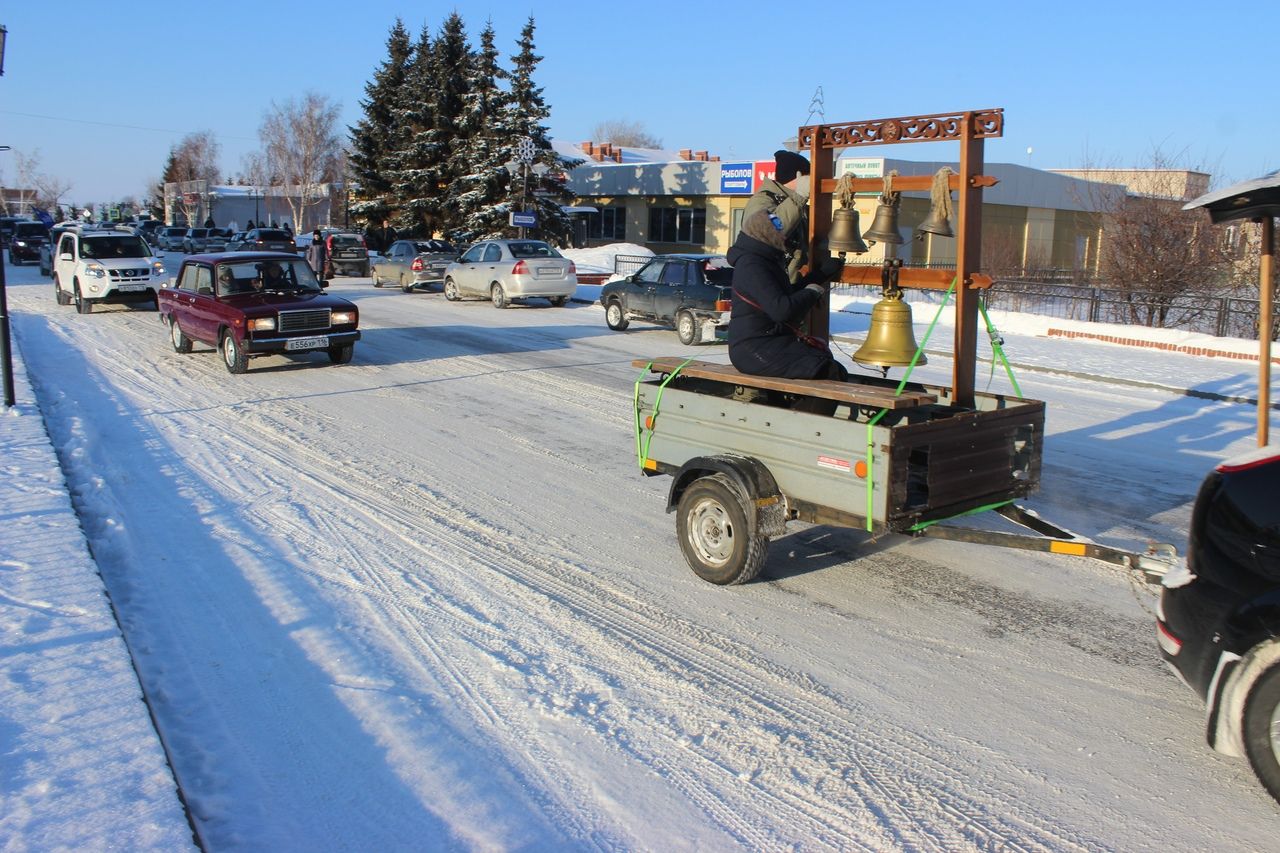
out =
column 5, row 350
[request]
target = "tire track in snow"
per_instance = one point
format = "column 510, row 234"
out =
column 536, row 570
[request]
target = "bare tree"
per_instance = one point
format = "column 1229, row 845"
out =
column 301, row 148
column 26, row 165
column 50, row 190
column 622, row 132
column 193, row 168
column 1166, row 262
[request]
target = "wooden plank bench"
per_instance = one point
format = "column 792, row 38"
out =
column 855, row 392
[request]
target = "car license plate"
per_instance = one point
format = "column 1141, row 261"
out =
column 317, row 342
column 550, row 272
column 132, row 287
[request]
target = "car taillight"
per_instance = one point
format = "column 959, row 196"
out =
column 521, row 268
column 416, row 266
column 724, row 304
column 573, row 269
column 1171, row 644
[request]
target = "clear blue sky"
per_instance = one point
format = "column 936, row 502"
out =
column 100, row 91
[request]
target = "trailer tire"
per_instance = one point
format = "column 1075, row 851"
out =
column 1261, row 729
column 716, row 533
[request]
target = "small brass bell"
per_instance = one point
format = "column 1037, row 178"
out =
column 937, row 223
column 884, row 227
column 891, row 342
column 844, row 237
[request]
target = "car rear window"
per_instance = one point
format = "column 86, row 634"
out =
column 346, row 241
column 31, row 229
column 269, row 234
column 531, row 249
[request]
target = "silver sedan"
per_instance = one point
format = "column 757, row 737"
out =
column 506, row 270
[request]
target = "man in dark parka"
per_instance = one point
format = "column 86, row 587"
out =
column 764, row 326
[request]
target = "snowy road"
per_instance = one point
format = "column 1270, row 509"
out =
column 426, row 601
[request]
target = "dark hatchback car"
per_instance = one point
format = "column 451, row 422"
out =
column 268, row 240
column 690, row 293
column 26, row 241
column 1219, row 618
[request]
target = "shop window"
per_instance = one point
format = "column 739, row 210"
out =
column 610, row 223
column 678, row 225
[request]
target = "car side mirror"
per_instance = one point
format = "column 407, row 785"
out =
column 324, row 282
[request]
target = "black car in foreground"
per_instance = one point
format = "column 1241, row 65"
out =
column 691, row 293
column 1219, row 618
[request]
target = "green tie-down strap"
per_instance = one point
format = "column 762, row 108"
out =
column 997, row 346
column 978, row 509
column 898, row 392
column 642, row 444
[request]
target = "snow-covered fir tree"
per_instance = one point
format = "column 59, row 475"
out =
column 478, row 197
column 372, row 139
column 546, row 192
column 409, row 165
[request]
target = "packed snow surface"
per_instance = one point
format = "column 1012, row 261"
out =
column 427, row 601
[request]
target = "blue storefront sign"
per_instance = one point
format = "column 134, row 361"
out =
column 735, row 179
column 524, row 219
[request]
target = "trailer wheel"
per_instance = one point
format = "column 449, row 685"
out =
column 714, row 534
column 1262, row 729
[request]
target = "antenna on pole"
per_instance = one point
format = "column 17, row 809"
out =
column 815, row 107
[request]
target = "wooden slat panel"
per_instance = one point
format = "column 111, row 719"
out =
column 852, row 392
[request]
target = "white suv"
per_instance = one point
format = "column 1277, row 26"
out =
column 98, row 265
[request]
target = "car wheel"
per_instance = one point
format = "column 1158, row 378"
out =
column 377, row 282
column 363, row 270
column 498, row 296
column 342, row 354
column 60, row 295
column 1262, row 729
column 559, row 301
column 181, row 343
column 686, row 328
column 83, row 306
column 711, row 525
column 407, row 287
column 614, row 317
column 233, row 355
column 451, row 290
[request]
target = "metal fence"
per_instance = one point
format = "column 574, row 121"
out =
column 1221, row 316
column 627, row 264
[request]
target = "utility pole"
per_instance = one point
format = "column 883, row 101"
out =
column 5, row 350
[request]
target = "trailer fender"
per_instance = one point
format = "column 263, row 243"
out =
column 751, row 476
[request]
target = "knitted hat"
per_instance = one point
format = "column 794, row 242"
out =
column 788, row 164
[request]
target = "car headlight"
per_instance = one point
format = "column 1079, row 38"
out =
column 343, row 318
column 95, row 270
column 157, row 268
column 262, row 324
column 22, row 243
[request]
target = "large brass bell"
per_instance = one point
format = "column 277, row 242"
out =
column 884, row 227
column 891, row 342
column 844, row 237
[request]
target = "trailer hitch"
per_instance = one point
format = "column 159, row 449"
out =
column 1152, row 564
